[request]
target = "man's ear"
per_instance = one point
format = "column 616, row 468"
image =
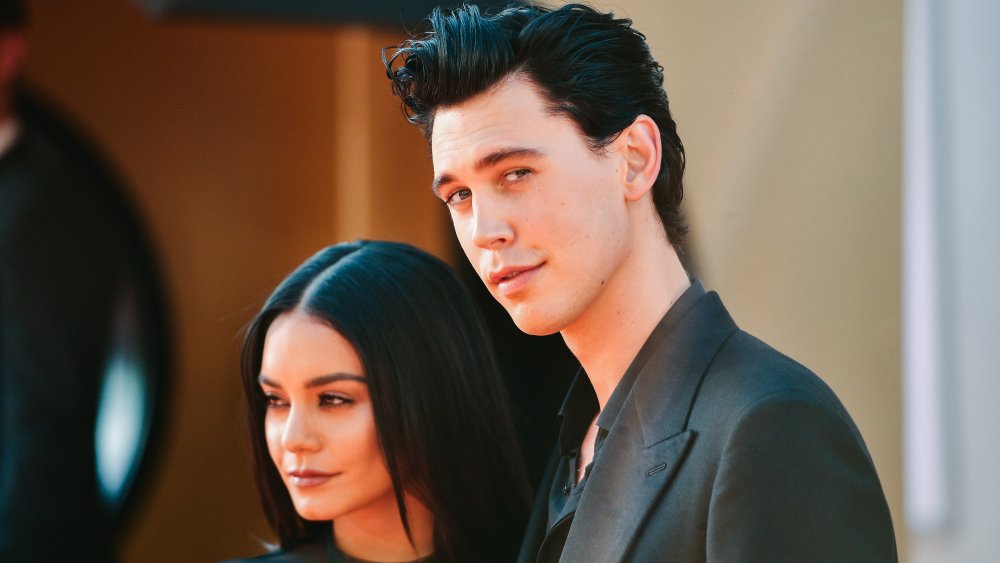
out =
column 640, row 148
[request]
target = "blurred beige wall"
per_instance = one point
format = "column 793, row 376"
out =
column 247, row 147
column 790, row 114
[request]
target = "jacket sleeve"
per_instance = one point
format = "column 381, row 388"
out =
column 53, row 333
column 796, row 483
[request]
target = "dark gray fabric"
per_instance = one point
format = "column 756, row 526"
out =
column 323, row 551
column 581, row 406
column 59, row 267
column 308, row 553
column 723, row 450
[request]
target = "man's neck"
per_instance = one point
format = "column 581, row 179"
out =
column 607, row 337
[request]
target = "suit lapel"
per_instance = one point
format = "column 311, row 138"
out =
column 609, row 515
column 646, row 444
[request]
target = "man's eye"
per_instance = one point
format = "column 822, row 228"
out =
column 458, row 196
column 331, row 400
column 515, row 175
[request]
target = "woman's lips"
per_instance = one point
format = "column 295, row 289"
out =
column 309, row 478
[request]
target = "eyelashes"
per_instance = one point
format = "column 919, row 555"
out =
column 458, row 196
column 333, row 400
column 516, row 175
column 510, row 178
column 272, row 400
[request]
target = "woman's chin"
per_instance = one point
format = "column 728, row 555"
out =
column 313, row 513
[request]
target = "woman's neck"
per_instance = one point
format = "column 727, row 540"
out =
column 377, row 533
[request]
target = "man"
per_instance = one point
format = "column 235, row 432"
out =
column 683, row 438
column 78, row 291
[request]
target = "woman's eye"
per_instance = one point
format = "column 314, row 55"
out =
column 271, row 401
column 331, row 400
column 458, row 196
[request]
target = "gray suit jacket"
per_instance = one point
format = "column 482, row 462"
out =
column 724, row 450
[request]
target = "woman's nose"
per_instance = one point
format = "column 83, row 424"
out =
column 299, row 433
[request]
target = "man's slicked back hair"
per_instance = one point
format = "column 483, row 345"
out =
column 589, row 66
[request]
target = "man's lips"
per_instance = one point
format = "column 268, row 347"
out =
column 511, row 279
column 309, row 477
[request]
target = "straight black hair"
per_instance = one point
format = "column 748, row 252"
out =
column 589, row 66
column 441, row 410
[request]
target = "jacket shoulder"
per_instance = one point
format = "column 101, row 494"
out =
column 746, row 371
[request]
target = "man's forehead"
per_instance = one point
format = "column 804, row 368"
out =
column 462, row 138
column 498, row 118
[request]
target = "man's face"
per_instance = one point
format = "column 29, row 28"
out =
column 541, row 216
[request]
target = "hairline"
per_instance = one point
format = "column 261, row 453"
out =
column 596, row 145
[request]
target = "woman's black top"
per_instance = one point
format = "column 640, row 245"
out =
column 320, row 551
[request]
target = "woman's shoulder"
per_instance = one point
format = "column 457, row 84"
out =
column 305, row 553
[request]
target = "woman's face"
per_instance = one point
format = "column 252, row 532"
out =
column 319, row 423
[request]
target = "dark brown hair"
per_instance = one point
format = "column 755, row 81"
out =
column 440, row 407
column 595, row 69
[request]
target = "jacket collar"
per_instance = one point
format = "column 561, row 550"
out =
column 665, row 332
column 667, row 385
column 649, row 438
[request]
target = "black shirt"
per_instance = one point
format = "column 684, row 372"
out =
column 323, row 550
column 579, row 409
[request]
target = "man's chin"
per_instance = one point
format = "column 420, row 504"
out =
column 533, row 323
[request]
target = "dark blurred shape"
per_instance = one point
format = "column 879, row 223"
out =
column 83, row 347
column 392, row 13
column 11, row 14
column 537, row 370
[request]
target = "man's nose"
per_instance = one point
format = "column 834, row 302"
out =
column 492, row 227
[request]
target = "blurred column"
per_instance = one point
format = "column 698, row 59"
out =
column 951, row 279
column 383, row 168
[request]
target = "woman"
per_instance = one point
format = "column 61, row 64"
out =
column 379, row 425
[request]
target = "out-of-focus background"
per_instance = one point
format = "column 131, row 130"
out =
column 834, row 228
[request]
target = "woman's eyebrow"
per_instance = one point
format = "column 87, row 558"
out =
column 324, row 379
column 316, row 381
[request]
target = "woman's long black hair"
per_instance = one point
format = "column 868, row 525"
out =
column 440, row 407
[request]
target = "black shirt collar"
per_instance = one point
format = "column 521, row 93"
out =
column 578, row 409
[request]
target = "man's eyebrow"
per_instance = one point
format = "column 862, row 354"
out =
column 440, row 181
column 316, row 381
column 491, row 159
column 503, row 154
